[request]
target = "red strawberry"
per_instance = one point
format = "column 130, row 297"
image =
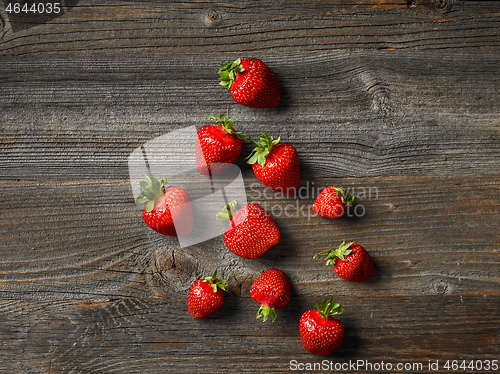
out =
column 251, row 83
column 217, row 144
column 251, row 231
column 276, row 165
column 332, row 202
column 350, row 261
column 168, row 209
column 319, row 331
column 205, row 296
column 272, row 290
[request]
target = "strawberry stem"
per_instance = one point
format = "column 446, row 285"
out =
column 228, row 73
column 333, row 254
column 226, row 213
column 262, row 149
column 329, row 308
column 227, row 124
column 151, row 190
column 346, row 197
column 265, row 311
column 216, row 283
column 253, row 141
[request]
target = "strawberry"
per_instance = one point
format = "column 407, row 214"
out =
column 205, row 296
column 272, row 290
column 251, row 230
column 350, row 262
column 251, row 83
column 332, row 202
column 319, row 331
column 275, row 164
column 168, row 209
column 217, row 144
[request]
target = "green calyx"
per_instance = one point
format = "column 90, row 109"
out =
column 265, row 311
column 262, row 149
column 227, row 211
column 215, row 282
column 151, row 190
column 227, row 123
column 228, row 73
column 333, row 254
column 329, row 308
column 347, row 198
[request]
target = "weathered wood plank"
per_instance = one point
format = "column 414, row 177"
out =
column 203, row 27
column 152, row 336
column 374, row 83
column 328, row 150
column 356, row 114
column 428, row 235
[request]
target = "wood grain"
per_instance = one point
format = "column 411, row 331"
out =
column 154, row 27
column 425, row 238
column 396, row 100
column 157, row 335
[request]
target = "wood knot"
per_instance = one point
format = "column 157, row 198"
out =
column 441, row 5
column 212, row 18
column 175, row 268
column 212, row 15
column 380, row 93
column 441, row 287
column 411, row 4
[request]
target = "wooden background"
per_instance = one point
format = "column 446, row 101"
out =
column 397, row 100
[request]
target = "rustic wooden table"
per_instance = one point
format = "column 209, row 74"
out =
column 399, row 101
